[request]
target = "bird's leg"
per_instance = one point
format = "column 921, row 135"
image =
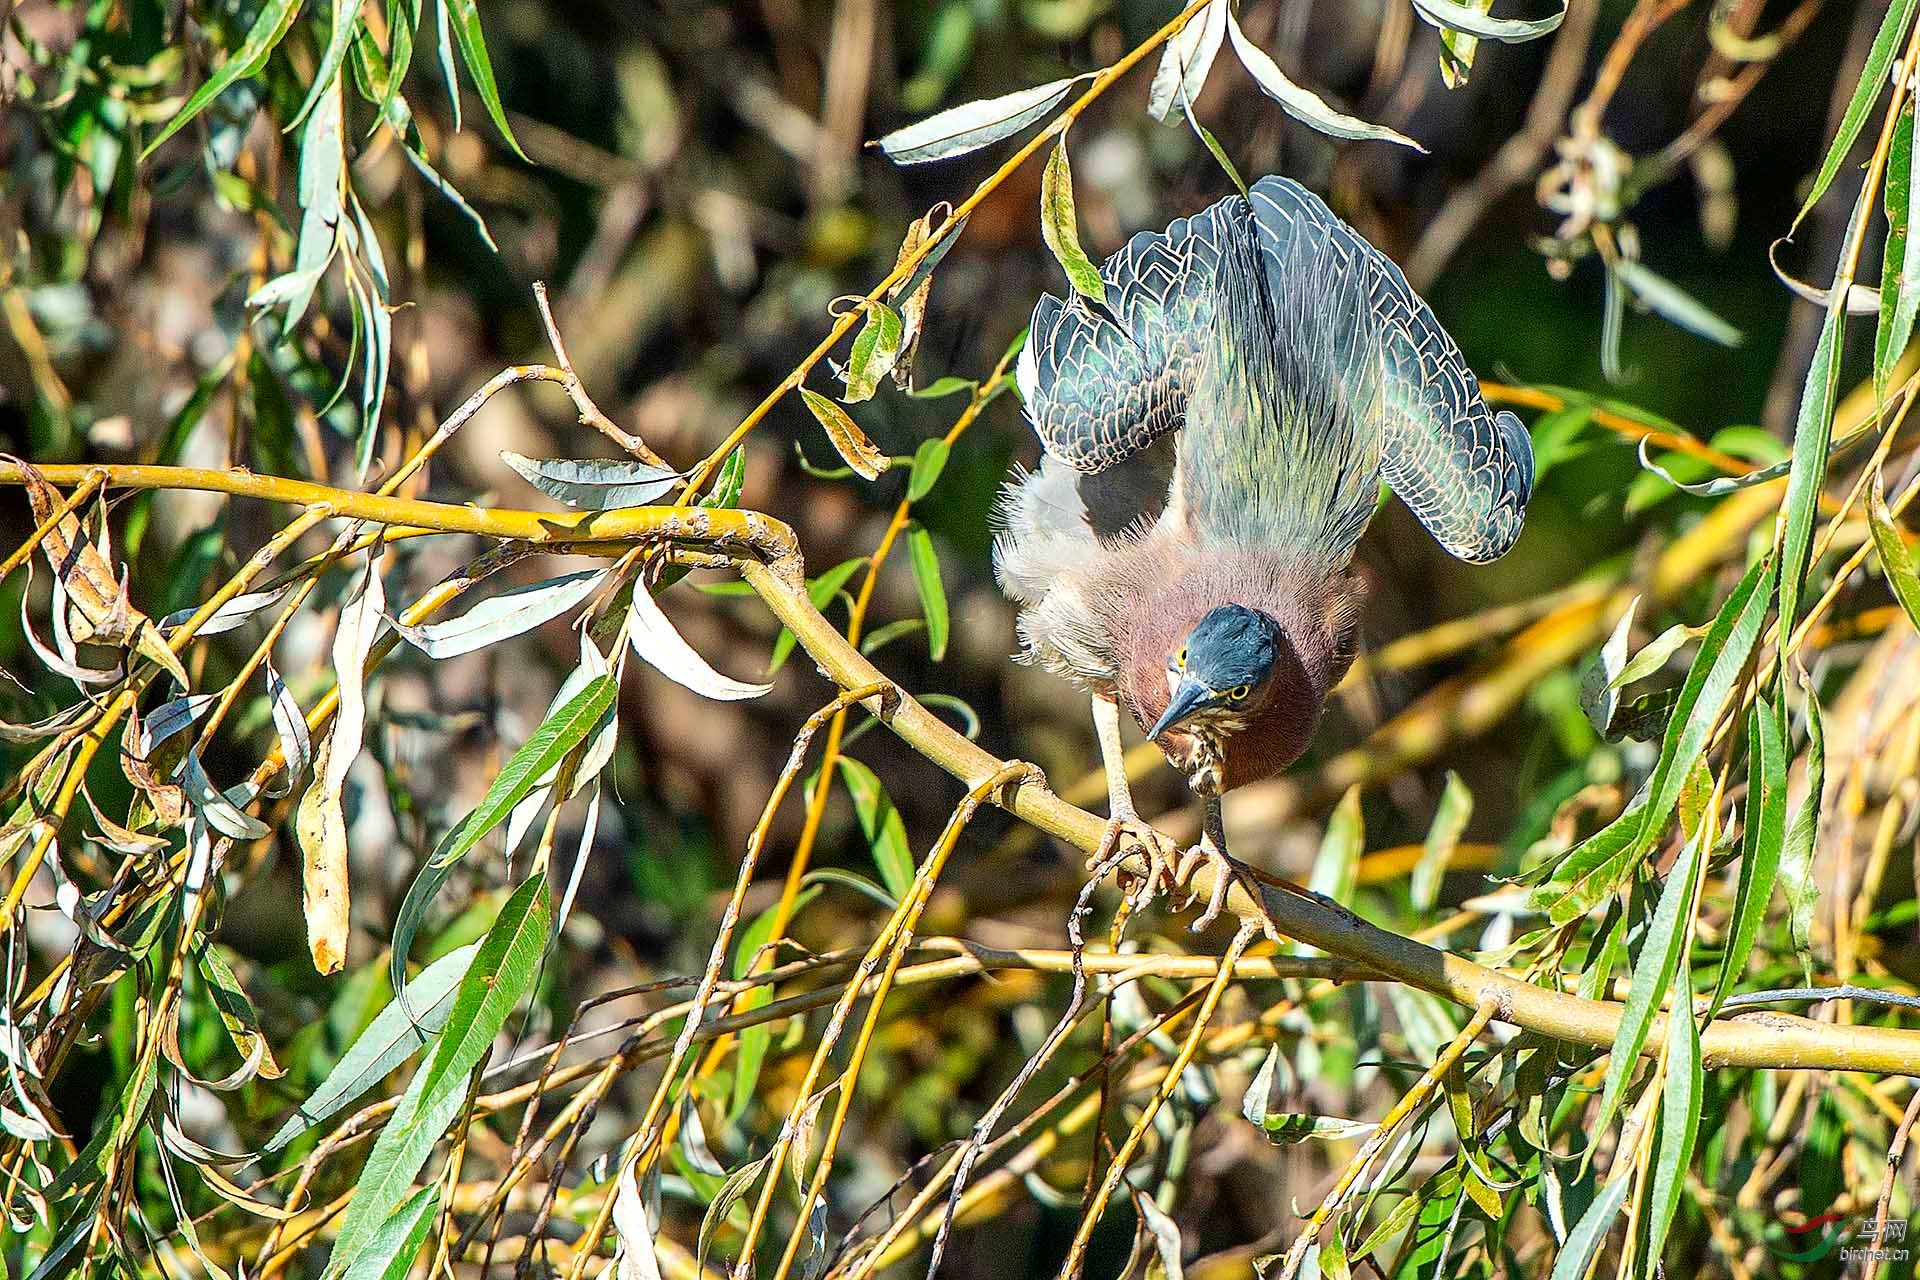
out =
column 1211, row 849
column 1122, row 818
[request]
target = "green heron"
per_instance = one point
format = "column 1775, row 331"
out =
column 1215, row 432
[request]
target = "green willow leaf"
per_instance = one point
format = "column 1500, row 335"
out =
column 1760, row 844
column 848, row 440
column 1796, row 857
column 395, row 1243
column 1872, row 83
column 1302, row 104
column 346, row 17
column 973, row 125
column 1449, row 821
column 1653, row 971
column 1896, row 561
column 886, row 834
column 388, row 1040
column 756, row 1040
column 268, row 30
column 1590, row 1232
column 465, row 18
column 1722, row 657
column 929, row 460
column 875, row 351
column 1448, row 15
column 1670, row 301
column 560, row 734
column 1900, row 259
column 501, row 973
column 1060, row 225
column 1679, row 1118
column 933, row 595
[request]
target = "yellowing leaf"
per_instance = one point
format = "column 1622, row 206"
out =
column 849, row 441
column 1060, row 225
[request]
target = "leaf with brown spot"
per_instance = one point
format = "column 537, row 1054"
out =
column 849, row 441
column 321, row 828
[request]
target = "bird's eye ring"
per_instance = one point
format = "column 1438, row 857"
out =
column 1239, row 692
column 1180, row 659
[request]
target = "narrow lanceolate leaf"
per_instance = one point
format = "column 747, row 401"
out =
column 360, row 622
column 875, row 351
column 501, row 972
column 465, row 18
column 666, row 651
column 1186, row 60
column 929, row 460
column 1872, row 83
column 320, row 826
column 1449, row 15
column 849, row 441
column 1760, row 844
column 1449, row 822
column 558, row 736
column 1812, row 436
column 393, row 1036
column 634, row 1256
column 1302, row 104
column 1670, row 301
column 1653, row 970
column 1060, row 226
column 1590, row 1232
column 885, row 833
column 1896, row 561
column 933, row 595
column 296, row 746
column 395, row 1243
column 973, row 125
column 551, row 743
column 1796, row 857
column 508, row 614
column 1679, row 1116
column 1900, row 260
column 1650, row 659
column 268, row 29
column 219, row 810
column 346, row 16
column 594, row 484
column 1722, row 657
column 1285, row 1129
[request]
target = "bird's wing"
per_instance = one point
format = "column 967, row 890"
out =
column 1463, row 469
column 1103, row 381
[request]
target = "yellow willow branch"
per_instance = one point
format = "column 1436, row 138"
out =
column 1763, row 1040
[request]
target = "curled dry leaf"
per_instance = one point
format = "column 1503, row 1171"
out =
column 1450, row 15
column 1302, row 104
column 653, row 637
column 106, row 616
column 320, row 825
column 973, row 125
column 849, row 441
column 1187, row 59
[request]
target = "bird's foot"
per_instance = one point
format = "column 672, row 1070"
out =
column 1127, row 834
column 1225, row 872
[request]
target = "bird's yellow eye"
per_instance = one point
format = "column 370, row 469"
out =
column 1239, row 692
column 1180, row 659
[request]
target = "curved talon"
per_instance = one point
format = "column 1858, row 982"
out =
column 1124, row 835
column 1226, row 871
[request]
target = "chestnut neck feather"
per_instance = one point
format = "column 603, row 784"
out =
column 1171, row 586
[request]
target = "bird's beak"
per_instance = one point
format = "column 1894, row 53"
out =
column 1188, row 697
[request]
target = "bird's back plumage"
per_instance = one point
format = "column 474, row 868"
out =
column 1323, row 356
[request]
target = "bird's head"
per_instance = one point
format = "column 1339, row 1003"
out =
column 1220, row 671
